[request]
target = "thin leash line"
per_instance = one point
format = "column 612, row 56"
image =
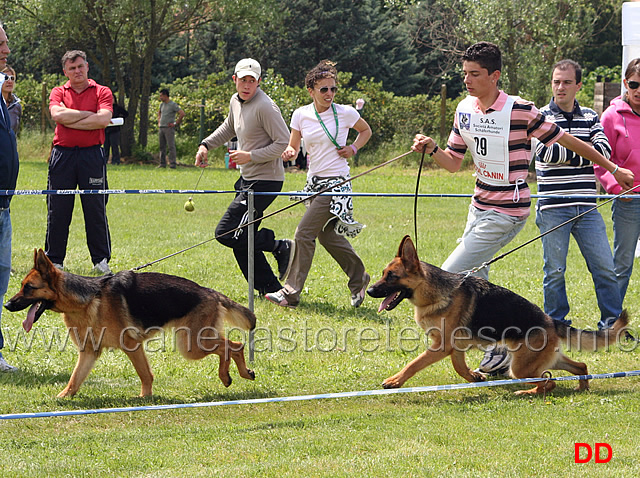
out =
column 568, row 221
column 415, row 203
column 322, row 396
column 199, row 178
column 274, row 212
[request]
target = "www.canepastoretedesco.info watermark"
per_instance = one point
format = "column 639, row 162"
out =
column 386, row 338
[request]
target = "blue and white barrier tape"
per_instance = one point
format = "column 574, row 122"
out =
column 67, row 192
column 298, row 398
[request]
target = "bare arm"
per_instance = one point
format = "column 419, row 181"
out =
column 443, row 157
column 294, row 145
column 364, row 134
column 77, row 119
column 622, row 175
column 180, row 116
column 66, row 116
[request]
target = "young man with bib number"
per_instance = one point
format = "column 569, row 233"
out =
column 498, row 130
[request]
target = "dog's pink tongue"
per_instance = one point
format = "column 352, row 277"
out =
column 386, row 302
column 31, row 315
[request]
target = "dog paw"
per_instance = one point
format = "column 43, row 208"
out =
column 582, row 387
column 477, row 376
column 392, row 382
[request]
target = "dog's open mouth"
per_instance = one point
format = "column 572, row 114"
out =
column 393, row 300
column 34, row 313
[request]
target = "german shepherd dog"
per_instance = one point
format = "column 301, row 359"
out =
column 459, row 312
column 126, row 309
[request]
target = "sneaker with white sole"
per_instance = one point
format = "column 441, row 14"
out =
column 279, row 298
column 496, row 361
column 102, row 267
column 5, row 367
column 284, row 254
column 358, row 299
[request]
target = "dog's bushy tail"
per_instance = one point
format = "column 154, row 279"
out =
column 238, row 315
column 592, row 340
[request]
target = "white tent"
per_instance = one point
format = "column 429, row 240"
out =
column 630, row 33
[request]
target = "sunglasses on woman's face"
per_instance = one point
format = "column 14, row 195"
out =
column 324, row 89
column 10, row 78
column 633, row 85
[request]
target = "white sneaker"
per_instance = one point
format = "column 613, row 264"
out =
column 102, row 267
column 357, row 299
column 5, row 367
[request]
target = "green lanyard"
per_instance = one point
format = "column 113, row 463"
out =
column 335, row 115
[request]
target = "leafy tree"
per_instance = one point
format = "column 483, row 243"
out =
column 532, row 35
column 121, row 37
column 604, row 48
column 430, row 24
column 362, row 36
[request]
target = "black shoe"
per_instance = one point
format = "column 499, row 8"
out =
column 284, row 254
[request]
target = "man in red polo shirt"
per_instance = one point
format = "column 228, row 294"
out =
column 82, row 110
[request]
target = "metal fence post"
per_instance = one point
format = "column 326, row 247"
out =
column 250, row 262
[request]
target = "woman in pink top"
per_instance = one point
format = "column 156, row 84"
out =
column 621, row 122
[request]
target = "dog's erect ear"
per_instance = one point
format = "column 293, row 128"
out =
column 402, row 243
column 42, row 263
column 407, row 252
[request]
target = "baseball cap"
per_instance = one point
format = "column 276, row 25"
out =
column 248, row 66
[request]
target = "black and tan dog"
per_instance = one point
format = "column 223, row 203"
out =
column 459, row 312
column 125, row 309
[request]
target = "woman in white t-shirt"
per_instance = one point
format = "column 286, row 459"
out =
column 324, row 126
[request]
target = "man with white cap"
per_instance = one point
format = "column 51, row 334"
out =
column 262, row 137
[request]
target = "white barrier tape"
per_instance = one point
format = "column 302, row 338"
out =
column 64, row 192
column 298, row 398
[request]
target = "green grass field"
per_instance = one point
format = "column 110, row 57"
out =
column 323, row 346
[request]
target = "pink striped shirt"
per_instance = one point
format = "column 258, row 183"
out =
column 526, row 123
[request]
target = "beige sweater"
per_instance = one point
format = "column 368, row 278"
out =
column 260, row 129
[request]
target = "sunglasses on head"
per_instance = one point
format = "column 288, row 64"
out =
column 324, row 89
column 633, row 85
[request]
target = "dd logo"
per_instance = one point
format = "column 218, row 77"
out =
column 591, row 451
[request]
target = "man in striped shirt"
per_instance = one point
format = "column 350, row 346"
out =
column 497, row 129
column 561, row 173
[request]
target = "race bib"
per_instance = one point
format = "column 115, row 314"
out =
column 487, row 138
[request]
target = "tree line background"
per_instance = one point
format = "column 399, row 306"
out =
column 396, row 54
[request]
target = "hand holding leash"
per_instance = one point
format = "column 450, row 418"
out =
column 201, row 157
column 424, row 144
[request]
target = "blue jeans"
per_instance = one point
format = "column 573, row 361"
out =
column 5, row 260
column 485, row 234
column 590, row 234
column 626, row 230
